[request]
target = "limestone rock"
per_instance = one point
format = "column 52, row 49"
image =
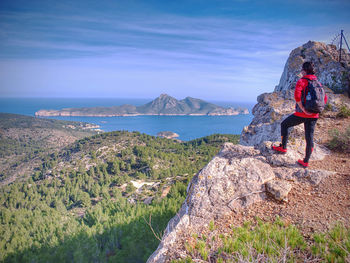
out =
column 232, row 180
column 295, row 151
column 331, row 73
column 278, row 189
column 284, row 174
column 269, row 112
column 315, row 177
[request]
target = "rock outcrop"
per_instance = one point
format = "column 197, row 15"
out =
column 273, row 108
column 234, row 179
column 330, row 72
column 167, row 134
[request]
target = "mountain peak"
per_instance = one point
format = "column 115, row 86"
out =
column 164, row 95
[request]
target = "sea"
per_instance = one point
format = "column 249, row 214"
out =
column 187, row 127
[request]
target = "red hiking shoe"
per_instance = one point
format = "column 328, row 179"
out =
column 279, row 149
column 303, row 164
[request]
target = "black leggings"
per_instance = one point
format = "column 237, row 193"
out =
column 309, row 126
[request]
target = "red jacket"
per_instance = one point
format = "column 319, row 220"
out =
column 299, row 90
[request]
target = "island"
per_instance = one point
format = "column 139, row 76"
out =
column 163, row 105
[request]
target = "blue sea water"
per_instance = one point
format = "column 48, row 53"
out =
column 188, row 127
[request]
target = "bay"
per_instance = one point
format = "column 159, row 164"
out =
column 188, row 127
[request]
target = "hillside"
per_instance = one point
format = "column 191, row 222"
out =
column 93, row 200
column 23, row 138
column 163, row 105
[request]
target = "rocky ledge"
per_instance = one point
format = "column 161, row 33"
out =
column 233, row 180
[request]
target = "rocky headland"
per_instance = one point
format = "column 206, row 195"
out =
column 163, row 105
column 248, row 180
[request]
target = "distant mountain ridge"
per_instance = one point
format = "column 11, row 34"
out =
column 163, row 105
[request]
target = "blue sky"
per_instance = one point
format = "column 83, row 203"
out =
column 229, row 50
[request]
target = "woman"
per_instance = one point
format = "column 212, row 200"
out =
column 301, row 115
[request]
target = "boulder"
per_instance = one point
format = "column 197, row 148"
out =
column 279, row 189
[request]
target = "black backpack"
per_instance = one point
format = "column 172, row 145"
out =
column 313, row 97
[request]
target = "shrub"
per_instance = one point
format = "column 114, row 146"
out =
column 328, row 107
column 130, row 188
column 333, row 246
column 340, row 141
column 344, row 112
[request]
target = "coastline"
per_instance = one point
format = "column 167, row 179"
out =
column 37, row 114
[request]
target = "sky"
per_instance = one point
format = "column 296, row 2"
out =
column 228, row 50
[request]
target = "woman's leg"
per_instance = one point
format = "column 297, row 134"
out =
column 290, row 121
column 309, row 127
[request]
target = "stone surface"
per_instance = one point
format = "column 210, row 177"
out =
column 315, row 177
column 232, row 180
column 148, row 200
column 279, row 189
column 330, row 72
column 295, row 151
column 284, row 174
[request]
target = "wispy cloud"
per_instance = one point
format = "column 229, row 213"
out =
column 210, row 36
column 163, row 50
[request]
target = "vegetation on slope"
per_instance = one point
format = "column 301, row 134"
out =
column 80, row 203
column 266, row 242
column 23, row 138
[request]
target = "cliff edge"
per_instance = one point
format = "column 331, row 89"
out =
column 250, row 180
column 236, row 178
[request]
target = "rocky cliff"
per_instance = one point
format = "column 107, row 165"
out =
column 273, row 108
column 242, row 175
column 330, row 72
column 236, row 178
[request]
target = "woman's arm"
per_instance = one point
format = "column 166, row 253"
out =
column 302, row 108
column 301, row 84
